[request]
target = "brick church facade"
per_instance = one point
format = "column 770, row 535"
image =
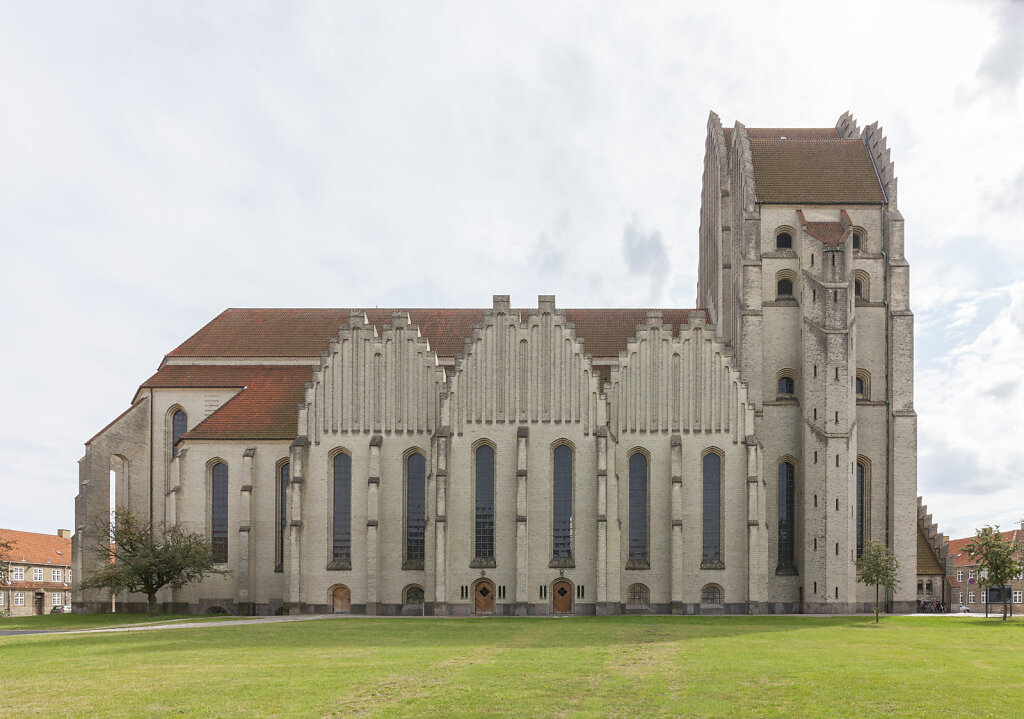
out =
column 727, row 459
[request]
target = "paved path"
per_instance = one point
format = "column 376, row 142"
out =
column 172, row 624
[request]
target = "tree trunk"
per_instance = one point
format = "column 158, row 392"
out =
column 876, row 604
column 152, row 603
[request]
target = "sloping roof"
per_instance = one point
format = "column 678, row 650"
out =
column 266, row 408
column 33, row 548
column 306, row 332
column 927, row 562
column 813, row 165
column 961, row 558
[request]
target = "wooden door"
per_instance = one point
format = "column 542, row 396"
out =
column 561, row 597
column 342, row 600
column 39, row 604
column 484, row 598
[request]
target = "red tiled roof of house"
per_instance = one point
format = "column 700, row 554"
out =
column 266, row 408
column 952, row 582
column 34, row 548
column 813, row 165
column 304, row 333
column 962, row 559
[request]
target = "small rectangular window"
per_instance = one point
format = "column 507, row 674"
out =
column 1, row 599
column 56, row 599
column 1018, row 596
column 55, row 575
column 984, row 597
column 970, row 597
column 37, row 574
column 19, row 599
column 18, row 574
column 960, row 575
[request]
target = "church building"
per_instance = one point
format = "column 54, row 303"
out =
column 732, row 458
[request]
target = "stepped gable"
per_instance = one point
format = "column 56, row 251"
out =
column 811, row 166
column 265, row 408
column 305, row 333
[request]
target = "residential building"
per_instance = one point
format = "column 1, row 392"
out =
column 39, row 572
column 972, row 593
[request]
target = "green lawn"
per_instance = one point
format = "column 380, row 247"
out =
column 623, row 666
column 57, row 622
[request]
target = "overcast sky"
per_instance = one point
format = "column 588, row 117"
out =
column 160, row 162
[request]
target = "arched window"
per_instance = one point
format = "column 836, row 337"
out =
column 638, row 597
column 342, row 535
column 856, row 240
column 638, row 511
column 219, row 511
column 179, row 425
column 785, row 289
column 711, row 594
column 415, row 509
column 484, row 502
column 786, row 519
column 784, row 241
column 282, row 513
column 413, row 594
column 858, row 289
column 862, row 384
column 561, row 534
column 860, row 509
column 786, row 385
column 860, row 387
column 712, row 529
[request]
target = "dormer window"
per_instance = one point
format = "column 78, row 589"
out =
column 784, row 241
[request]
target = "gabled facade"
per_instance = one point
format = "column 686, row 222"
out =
column 728, row 459
column 38, row 571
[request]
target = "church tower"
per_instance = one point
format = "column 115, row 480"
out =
column 802, row 271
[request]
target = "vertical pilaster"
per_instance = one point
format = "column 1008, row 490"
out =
column 372, row 504
column 522, row 533
column 244, row 533
column 676, row 570
column 441, row 524
column 601, row 438
column 293, row 555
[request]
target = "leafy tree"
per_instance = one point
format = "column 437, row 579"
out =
column 877, row 565
column 6, row 545
column 140, row 557
column 997, row 558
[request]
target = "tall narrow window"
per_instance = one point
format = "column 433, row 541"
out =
column 342, row 547
column 282, row 513
column 562, row 503
column 637, row 511
column 712, row 555
column 219, row 511
column 179, row 425
column 786, row 523
column 860, row 509
column 415, row 507
column 485, row 502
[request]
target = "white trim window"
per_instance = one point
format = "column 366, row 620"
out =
column 56, row 575
column 1018, row 596
column 984, row 597
column 959, row 575
column 17, row 574
column 37, row 574
column 971, row 574
column 19, row 599
column 57, row 599
column 69, row 576
column 1, row 599
column 970, row 597
column 961, row 597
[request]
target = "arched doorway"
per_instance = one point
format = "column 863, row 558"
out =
column 561, row 597
column 483, row 597
column 341, row 599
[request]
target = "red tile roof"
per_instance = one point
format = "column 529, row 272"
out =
column 962, row 559
column 266, row 408
column 305, row 332
column 813, row 166
column 33, row 548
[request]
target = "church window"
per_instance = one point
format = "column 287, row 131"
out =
column 413, row 594
column 219, row 511
column 415, row 507
column 282, row 513
column 784, row 241
column 484, row 502
column 786, row 385
column 342, row 530
column 711, row 594
column 637, row 511
column 860, row 508
column 179, row 425
column 712, row 505
column 785, row 289
column 860, row 387
column 787, row 484
column 638, row 598
column 858, row 290
column 562, row 503
column 856, row 240
column 862, row 384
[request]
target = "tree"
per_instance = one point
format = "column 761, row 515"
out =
column 6, row 545
column 137, row 556
column 997, row 559
column 877, row 565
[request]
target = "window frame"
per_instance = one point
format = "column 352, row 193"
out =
column 638, row 559
column 788, row 233
column 786, row 548
column 568, row 559
column 221, row 553
column 282, row 481
column 712, row 560
column 17, row 574
column 56, row 576
column 174, row 437
column 712, row 594
column 338, row 522
column 483, row 556
column 56, row 599
column 409, row 561
column 37, row 574
column 18, row 600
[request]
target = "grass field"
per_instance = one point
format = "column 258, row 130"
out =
column 621, row 666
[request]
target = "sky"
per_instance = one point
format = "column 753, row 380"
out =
column 160, row 162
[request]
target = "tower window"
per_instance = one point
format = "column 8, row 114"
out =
column 784, row 241
column 786, row 385
column 856, row 241
column 785, row 289
column 858, row 289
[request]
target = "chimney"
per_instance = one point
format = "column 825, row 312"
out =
column 64, row 533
